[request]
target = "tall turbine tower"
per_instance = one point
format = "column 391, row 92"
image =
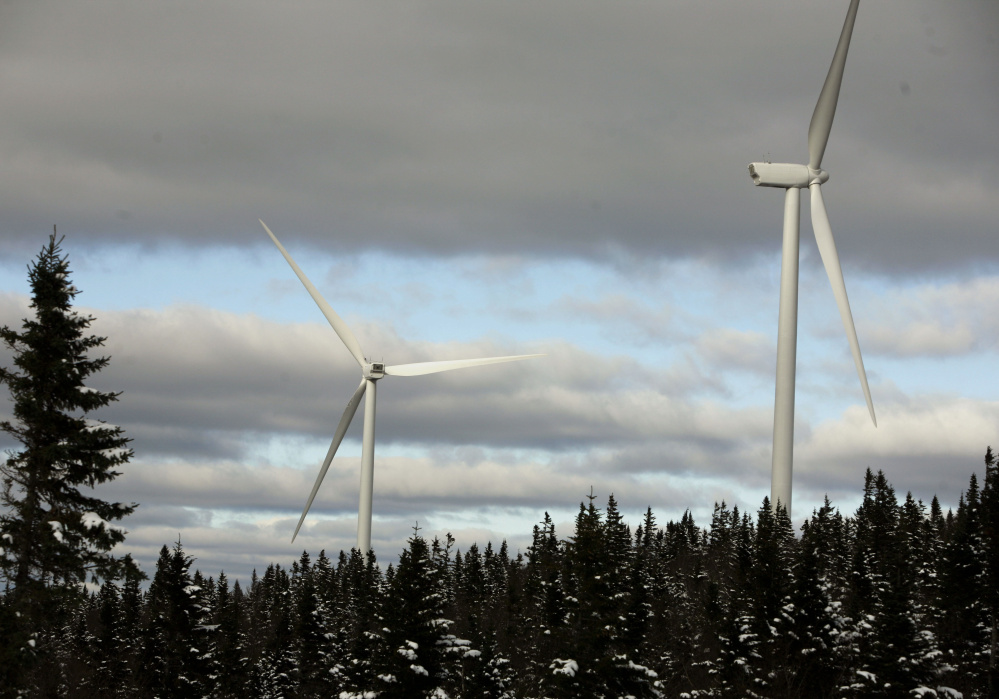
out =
column 793, row 178
column 370, row 373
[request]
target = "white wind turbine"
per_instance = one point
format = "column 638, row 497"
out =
column 370, row 372
column 793, row 178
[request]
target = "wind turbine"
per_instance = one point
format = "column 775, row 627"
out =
column 793, row 178
column 370, row 373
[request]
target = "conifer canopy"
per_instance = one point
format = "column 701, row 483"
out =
column 55, row 532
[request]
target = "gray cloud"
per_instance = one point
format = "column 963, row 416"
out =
column 640, row 323
column 510, row 128
column 734, row 349
column 201, row 383
column 936, row 320
column 237, row 515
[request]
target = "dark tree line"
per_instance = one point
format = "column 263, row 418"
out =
column 898, row 600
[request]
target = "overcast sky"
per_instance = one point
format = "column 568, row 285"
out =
column 466, row 179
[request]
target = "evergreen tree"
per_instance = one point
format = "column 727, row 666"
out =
column 990, row 540
column 273, row 651
column 54, row 532
column 357, row 620
column 771, row 609
column 411, row 651
column 539, row 637
column 688, row 652
column 228, row 661
column 819, row 589
column 310, row 633
column 891, row 643
column 963, row 628
column 129, row 624
column 173, row 663
column 108, row 649
column 578, row 671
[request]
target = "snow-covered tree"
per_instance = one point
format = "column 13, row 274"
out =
column 173, row 662
column 990, row 540
column 226, row 658
column 964, row 625
column 272, row 649
column 818, row 617
column 411, row 651
column 310, row 635
column 538, row 637
column 892, row 643
column 55, row 532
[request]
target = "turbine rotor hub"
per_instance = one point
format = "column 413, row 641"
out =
column 818, row 176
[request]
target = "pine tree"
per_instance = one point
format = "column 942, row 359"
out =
column 227, row 663
column 990, row 539
column 582, row 661
column 410, row 656
column 54, row 532
column 687, row 652
column 818, row 594
column 963, row 633
column 542, row 609
column 173, row 661
column 357, row 619
column 110, row 660
column 890, row 642
column 771, row 585
column 273, row 621
column 310, row 633
column 129, row 624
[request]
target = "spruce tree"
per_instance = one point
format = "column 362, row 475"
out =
column 538, row 637
column 990, row 539
column 55, row 533
column 771, row 608
column 228, row 660
column 962, row 631
column 819, row 588
column 310, row 633
column 410, row 655
column 173, row 664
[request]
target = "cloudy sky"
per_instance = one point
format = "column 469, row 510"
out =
column 467, row 179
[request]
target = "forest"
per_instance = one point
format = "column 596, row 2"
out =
column 899, row 599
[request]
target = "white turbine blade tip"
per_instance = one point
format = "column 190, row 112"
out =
column 421, row 368
column 830, row 260
column 825, row 108
column 335, row 321
column 341, row 430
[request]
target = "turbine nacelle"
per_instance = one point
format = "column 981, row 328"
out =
column 786, row 175
column 373, row 371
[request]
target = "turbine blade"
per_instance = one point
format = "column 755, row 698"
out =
column 830, row 258
column 825, row 108
column 434, row 367
column 335, row 320
column 341, row 430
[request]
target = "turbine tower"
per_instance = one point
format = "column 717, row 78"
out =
column 371, row 372
column 793, row 178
